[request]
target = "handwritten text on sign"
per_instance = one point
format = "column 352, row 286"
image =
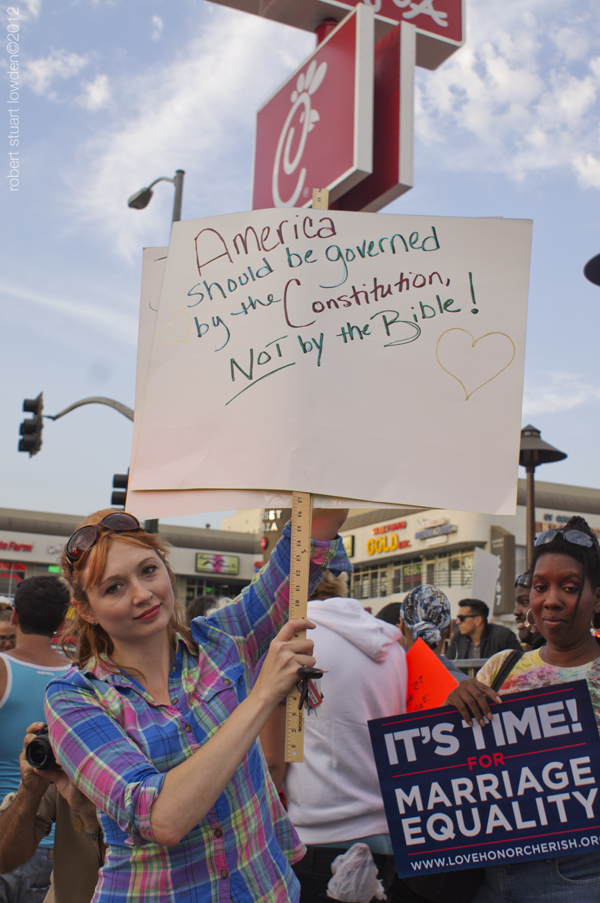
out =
column 524, row 787
column 269, row 319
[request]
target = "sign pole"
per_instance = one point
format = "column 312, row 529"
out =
column 299, row 577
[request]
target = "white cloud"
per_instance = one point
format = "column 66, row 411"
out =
column 39, row 74
column 572, row 43
column 189, row 113
column 157, row 27
column 96, row 94
column 513, row 101
column 521, row 96
column 117, row 325
column 558, row 392
column 32, row 9
column 587, row 168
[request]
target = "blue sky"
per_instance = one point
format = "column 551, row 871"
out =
column 115, row 94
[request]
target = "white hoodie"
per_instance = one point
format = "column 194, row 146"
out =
column 334, row 794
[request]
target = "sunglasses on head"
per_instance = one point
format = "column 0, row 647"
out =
column 83, row 539
column 523, row 580
column 575, row 537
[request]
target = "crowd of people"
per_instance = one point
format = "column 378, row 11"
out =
column 163, row 775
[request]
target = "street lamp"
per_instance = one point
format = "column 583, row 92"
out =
column 138, row 201
column 591, row 270
column 534, row 451
column 141, row 198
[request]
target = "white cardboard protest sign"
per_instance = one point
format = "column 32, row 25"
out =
column 171, row 503
column 353, row 355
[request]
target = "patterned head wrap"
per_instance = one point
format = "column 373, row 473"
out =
column 426, row 610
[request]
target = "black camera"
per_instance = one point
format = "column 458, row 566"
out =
column 39, row 752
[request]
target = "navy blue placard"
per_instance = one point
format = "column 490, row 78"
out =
column 523, row 787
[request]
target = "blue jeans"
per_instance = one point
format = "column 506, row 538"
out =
column 30, row 882
column 562, row 879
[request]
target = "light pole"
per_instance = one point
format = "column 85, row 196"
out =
column 138, row 201
column 534, row 451
column 141, row 198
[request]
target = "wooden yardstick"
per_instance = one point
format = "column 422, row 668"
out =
column 299, row 573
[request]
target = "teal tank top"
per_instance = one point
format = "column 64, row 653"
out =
column 22, row 703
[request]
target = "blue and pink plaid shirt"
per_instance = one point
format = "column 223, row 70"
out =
column 116, row 743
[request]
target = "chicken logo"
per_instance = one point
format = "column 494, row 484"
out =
column 306, row 84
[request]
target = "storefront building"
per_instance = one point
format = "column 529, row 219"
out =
column 394, row 550
column 205, row 562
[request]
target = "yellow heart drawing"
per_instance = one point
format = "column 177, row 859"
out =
column 474, row 342
column 177, row 331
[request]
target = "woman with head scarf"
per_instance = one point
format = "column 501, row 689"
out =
column 425, row 613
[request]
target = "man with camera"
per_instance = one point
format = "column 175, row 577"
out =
column 39, row 608
column 46, row 796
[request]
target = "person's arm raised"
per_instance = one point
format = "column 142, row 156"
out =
column 192, row 788
column 262, row 607
column 116, row 775
column 327, row 522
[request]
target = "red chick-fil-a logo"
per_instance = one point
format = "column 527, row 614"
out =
column 306, row 85
column 422, row 8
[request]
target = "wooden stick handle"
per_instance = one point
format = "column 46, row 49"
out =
column 299, row 576
column 299, row 579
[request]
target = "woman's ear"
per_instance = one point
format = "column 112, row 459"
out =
column 597, row 602
column 407, row 637
column 83, row 611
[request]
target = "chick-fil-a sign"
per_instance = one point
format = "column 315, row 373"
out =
column 523, row 787
column 439, row 17
column 316, row 131
column 439, row 23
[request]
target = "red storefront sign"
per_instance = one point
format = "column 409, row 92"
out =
column 316, row 131
column 439, row 23
column 393, row 124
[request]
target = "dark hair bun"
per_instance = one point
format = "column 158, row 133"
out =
column 579, row 523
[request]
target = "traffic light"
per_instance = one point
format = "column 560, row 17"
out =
column 31, row 430
column 120, row 481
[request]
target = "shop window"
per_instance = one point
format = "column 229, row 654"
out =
column 441, row 571
column 11, row 574
column 370, row 584
column 206, row 586
column 450, row 570
column 52, row 570
column 520, row 560
column 461, row 569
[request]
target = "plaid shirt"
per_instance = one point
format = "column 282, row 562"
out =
column 117, row 744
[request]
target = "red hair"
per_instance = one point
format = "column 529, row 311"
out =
column 92, row 641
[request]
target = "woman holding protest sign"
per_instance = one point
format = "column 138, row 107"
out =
column 157, row 722
column 565, row 595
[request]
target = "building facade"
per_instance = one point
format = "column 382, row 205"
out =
column 205, row 562
column 393, row 550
